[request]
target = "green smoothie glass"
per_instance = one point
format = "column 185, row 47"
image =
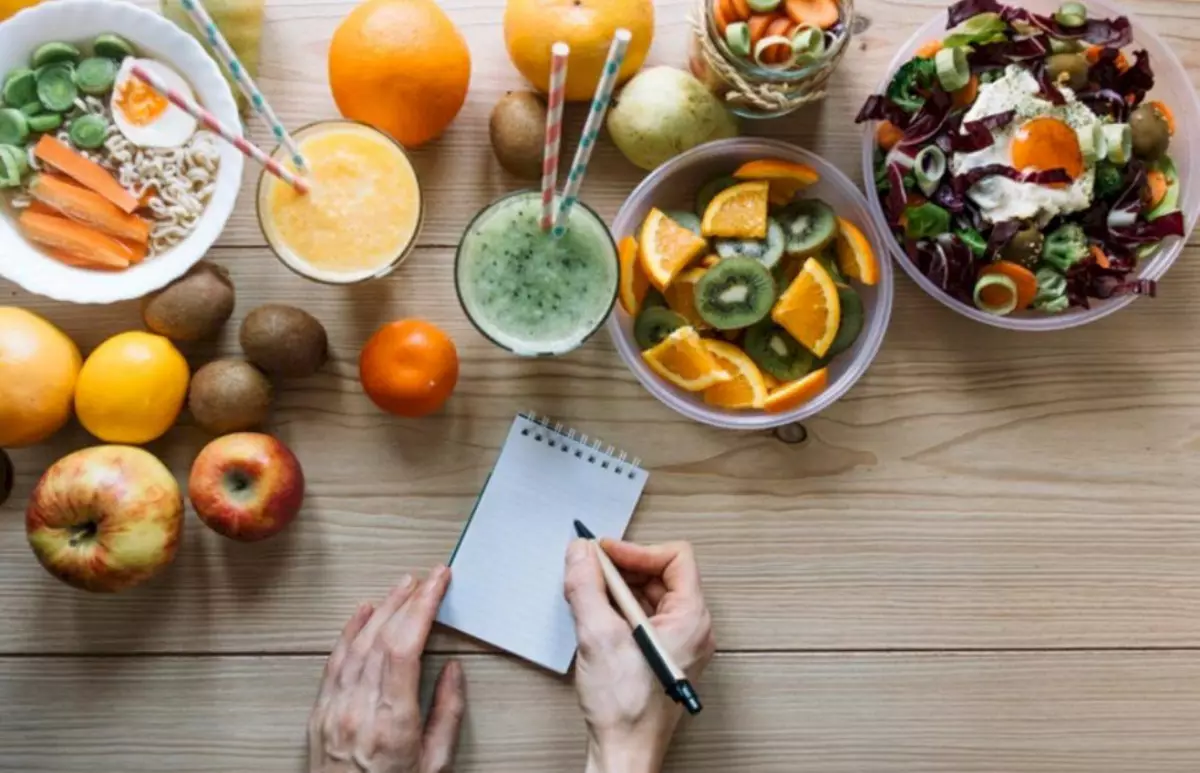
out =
column 528, row 292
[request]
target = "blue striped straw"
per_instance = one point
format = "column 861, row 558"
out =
column 237, row 71
column 591, row 129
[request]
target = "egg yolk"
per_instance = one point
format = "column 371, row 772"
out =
column 1047, row 143
column 139, row 103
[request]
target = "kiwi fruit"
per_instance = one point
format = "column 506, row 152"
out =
column 775, row 351
column 809, row 225
column 7, row 475
column 284, row 340
column 193, row 307
column 709, row 191
column 766, row 251
column 654, row 299
column 852, row 321
column 654, row 324
column 735, row 293
column 229, row 396
column 518, row 131
column 686, row 219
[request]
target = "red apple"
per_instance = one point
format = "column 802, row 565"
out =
column 246, row 486
column 105, row 518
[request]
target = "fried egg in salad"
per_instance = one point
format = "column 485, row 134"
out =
column 1043, row 136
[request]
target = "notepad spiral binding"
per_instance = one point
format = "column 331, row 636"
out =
column 558, row 436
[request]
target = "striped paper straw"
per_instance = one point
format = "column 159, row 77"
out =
column 554, row 112
column 199, row 16
column 210, row 121
column 591, row 129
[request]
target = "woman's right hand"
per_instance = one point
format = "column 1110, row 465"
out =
column 630, row 718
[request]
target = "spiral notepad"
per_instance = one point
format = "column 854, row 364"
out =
column 507, row 582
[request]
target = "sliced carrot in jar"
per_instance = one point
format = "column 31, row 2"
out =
column 741, row 10
column 758, row 24
column 818, row 13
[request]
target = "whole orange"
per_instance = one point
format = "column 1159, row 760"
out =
column 531, row 27
column 39, row 366
column 409, row 368
column 400, row 66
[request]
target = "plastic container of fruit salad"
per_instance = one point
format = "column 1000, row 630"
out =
column 673, row 186
column 1172, row 86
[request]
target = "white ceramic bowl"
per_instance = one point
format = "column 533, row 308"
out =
column 1172, row 86
column 156, row 38
column 673, row 186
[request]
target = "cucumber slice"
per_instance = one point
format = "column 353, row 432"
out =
column 766, row 251
column 763, row 6
column 953, row 71
column 112, row 47
column 88, row 131
column 996, row 280
column 1118, row 138
column 737, row 37
column 96, row 75
column 20, row 87
column 57, row 51
column 14, row 126
column 56, row 88
column 1170, row 202
column 45, row 122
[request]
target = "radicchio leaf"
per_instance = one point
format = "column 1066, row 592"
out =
column 965, row 9
column 1149, row 231
column 880, row 108
column 897, row 197
column 948, row 198
column 973, row 136
column 1010, row 52
column 947, row 262
column 928, row 122
column 1116, row 32
column 1138, row 79
column 1002, row 233
column 1046, row 86
column 1106, row 102
column 1088, row 279
column 963, row 182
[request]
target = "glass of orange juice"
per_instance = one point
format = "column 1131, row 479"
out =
column 361, row 217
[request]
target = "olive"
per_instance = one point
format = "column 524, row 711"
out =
column 6, row 476
column 1025, row 248
column 1068, row 70
column 1151, row 133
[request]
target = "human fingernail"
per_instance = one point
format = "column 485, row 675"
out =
column 405, row 582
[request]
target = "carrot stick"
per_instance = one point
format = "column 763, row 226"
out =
column 966, row 96
column 888, row 135
column 84, row 206
column 62, row 256
column 1098, row 255
column 87, row 173
column 741, row 10
column 929, row 50
column 1022, row 277
column 818, row 13
column 1157, row 184
column 758, row 27
column 90, row 248
column 719, row 17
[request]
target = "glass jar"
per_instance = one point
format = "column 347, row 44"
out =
column 751, row 90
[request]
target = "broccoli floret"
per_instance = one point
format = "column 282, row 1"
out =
column 1051, row 295
column 911, row 83
column 1110, row 181
column 1065, row 247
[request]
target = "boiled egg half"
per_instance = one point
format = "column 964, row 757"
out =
column 145, row 117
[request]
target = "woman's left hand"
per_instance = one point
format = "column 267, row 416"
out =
column 368, row 717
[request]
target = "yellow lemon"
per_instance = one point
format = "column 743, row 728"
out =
column 132, row 388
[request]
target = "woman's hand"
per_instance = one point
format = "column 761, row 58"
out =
column 630, row 719
column 367, row 718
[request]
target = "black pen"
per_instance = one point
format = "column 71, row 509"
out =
column 672, row 677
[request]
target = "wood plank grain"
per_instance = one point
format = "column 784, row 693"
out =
column 458, row 171
column 977, row 489
column 981, row 713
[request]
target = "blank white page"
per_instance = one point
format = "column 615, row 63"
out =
column 507, row 583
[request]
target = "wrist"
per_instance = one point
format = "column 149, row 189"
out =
column 624, row 756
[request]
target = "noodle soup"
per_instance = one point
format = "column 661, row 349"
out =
column 99, row 170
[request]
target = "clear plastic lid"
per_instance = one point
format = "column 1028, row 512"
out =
column 673, row 186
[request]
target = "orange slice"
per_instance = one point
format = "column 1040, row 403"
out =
column 739, row 212
column 771, row 382
column 797, row 393
column 681, row 297
column 666, row 248
column 801, row 175
column 683, row 360
column 710, row 261
column 747, row 390
column 634, row 283
column 810, row 309
column 856, row 259
column 781, row 192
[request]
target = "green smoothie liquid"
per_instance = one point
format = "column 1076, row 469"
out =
column 531, row 293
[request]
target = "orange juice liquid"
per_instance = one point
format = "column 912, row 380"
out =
column 361, row 214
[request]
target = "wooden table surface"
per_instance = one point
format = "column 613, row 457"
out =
column 986, row 557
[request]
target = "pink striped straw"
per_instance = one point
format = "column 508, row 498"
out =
column 210, row 121
column 554, row 113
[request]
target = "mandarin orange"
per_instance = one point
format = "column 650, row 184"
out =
column 409, row 368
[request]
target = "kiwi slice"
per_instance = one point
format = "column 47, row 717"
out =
column 735, row 293
column 654, row 324
column 809, row 225
column 775, row 351
column 766, row 251
column 710, row 189
column 686, row 219
column 852, row 321
column 654, row 299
